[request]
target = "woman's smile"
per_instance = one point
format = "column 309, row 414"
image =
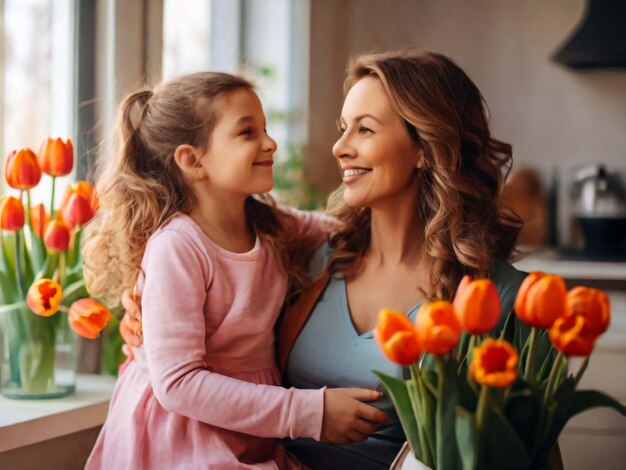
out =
column 353, row 173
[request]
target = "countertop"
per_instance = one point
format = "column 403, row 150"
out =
column 25, row 422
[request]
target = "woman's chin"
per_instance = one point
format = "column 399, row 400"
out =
column 355, row 201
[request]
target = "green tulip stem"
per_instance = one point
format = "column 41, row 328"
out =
column 62, row 268
column 552, row 379
column 482, row 411
column 18, row 265
column 581, row 371
column 423, row 416
column 28, row 220
column 52, row 198
column 530, row 359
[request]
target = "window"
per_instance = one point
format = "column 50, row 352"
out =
column 269, row 37
column 37, row 78
column 186, row 36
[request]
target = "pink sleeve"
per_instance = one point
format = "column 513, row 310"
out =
column 177, row 273
column 309, row 227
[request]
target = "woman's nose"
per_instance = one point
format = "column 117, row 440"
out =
column 342, row 148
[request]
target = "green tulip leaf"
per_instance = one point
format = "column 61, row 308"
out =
column 74, row 292
column 503, row 448
column 577, row 402
column 448, row 457
column 466, row 437
column 525, row 412
column 508, row 329
column 399, row 395
column 547, row 365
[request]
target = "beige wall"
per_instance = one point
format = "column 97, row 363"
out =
column 552, row 115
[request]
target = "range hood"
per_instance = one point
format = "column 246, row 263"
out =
column 599, row 40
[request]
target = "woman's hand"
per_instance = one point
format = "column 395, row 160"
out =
column 130, row 326
column 346, row 418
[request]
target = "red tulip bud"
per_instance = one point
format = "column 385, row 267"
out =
column 21, row 170
column 11, row 213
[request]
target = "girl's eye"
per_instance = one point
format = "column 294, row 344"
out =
column 365, row 130
column 341, row 130
column 248, row 131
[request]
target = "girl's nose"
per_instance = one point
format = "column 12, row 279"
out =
column 269, row 145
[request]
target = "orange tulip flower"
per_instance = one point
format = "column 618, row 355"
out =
column 57, row 236
column 541, row 299
column 56, row 158
column 79, row 204
column 21, row 170
column 593, row 304
column 494, row 363
column 397, row 338
column 477, row 305
column 39, row 219
column 11, row 213
column 44, row 297
column 572, row 335
column 438, row 328
column 88, row 317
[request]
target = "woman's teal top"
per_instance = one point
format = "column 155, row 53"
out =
column 330, row 352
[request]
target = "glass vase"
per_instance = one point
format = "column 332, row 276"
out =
column 38, row 355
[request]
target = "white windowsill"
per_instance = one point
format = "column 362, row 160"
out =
column 25, row 422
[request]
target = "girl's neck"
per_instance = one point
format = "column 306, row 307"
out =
column 223, row 219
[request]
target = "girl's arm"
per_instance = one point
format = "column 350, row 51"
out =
column 310, row 228
column 177, row 273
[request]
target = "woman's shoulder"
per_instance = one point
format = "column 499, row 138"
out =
column 318, row 260
column 507, row 279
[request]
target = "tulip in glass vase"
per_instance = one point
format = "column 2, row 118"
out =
column 43, row 299
column 477, row 402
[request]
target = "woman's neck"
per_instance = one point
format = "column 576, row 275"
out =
column 396, row 232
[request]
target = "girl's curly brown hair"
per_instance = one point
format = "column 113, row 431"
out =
column 465, row 227
column 140, row 185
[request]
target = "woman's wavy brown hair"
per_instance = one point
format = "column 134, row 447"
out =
column 465, row 228
column 140, row 185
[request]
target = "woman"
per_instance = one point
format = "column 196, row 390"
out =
column 418, row 210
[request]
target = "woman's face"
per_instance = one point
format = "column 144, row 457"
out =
column 377, row 157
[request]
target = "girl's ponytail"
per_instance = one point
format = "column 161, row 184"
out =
column 138, row 190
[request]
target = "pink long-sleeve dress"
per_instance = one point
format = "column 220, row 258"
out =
column 203, row 389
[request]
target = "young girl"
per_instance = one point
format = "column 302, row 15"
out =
column 213, row 266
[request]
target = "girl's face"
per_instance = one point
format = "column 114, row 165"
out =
column 377, row 157
column 240, row 153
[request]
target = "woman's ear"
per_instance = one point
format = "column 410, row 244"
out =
column 188, row 158
column 421, row 155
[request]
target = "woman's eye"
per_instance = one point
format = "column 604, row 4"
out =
column 365, row 130
column 341, row 130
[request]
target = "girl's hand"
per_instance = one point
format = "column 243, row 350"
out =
column 130, row 326
column 346, row 419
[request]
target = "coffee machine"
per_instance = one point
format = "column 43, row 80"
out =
column 593, row 213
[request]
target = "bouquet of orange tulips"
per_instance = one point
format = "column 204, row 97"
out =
column 41, row 274
column 475, row 402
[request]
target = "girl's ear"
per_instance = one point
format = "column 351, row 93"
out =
column 188, row 158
